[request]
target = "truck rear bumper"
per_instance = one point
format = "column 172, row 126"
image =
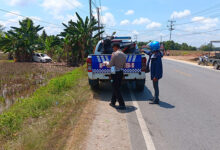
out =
column 130, row 76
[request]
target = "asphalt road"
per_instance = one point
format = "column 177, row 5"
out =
column 188, row 117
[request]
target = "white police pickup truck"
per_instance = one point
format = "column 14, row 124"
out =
column 135, row 65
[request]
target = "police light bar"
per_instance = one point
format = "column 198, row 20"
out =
column 123, row 38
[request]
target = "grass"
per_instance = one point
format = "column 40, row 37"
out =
column 46, row 115
column 22, row 79
column 186, row 52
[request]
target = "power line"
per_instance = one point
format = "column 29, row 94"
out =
column 197, row 33
column 203, row 11
column 202, row 19
column 94, row 4
column 144, row 31
column 76, row 7
column 3, row 10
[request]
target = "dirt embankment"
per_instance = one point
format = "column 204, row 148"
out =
column 190, row 56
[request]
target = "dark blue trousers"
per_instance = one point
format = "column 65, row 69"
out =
column 156, row 90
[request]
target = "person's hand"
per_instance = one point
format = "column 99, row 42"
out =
column 106, row 63
column 155, row 79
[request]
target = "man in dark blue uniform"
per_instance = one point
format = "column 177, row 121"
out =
column 156, row 68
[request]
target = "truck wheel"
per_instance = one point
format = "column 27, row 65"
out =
column 140, row 85
column 94, row 84
column 216, row 66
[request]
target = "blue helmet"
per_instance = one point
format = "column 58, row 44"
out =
column 154, row 46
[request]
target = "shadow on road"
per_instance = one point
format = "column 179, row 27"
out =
column 105, row 90
column 166, row 105
column 128, row 109
column 146, row 95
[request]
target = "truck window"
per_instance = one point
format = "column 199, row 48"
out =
column 126, row 47
column 129, row 48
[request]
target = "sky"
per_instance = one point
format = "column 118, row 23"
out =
column 197, row 21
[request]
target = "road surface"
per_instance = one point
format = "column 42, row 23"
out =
column 188, row 117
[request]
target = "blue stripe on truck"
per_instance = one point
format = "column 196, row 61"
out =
column 133, row 64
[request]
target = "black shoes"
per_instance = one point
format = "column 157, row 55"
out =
column 118, row 107
column 112, row 105
column 154, row 102
column 152, row 99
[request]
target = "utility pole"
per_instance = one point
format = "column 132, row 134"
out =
column 136, row 37
column 161, row 38
column 171, row 28
column 98, row 15
column 90, row 16
column 90, row 9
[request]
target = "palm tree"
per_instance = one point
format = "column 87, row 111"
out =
column 81, row 33
column 23, row 40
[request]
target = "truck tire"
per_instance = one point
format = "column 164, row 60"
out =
column 94, row 84
column 216, row 66
column 140, row 85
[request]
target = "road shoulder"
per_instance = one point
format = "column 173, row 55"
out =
column 109, row 130
column 190, row 63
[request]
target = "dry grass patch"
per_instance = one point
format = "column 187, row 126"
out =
column 63, row 124
column 19, row 80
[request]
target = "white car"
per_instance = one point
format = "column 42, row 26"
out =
column 39, row 57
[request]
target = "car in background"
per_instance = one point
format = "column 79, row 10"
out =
column 43, row 58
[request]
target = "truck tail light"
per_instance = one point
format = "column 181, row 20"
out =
column 89, row 64
column 144, row 60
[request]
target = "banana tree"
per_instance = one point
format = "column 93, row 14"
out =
column 23, row 40
column 51, row 43
column 81, row 32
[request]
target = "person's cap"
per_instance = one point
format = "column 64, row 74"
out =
column 116, row 44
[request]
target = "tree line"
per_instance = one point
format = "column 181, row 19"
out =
column 171, row 45
column 72, row 45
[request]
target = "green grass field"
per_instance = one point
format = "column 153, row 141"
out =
column 49, row 107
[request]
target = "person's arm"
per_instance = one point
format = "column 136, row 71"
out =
column 147, row 52
column 112, row 62
column 158, row 70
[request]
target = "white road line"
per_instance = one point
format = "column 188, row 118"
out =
column 147, row 137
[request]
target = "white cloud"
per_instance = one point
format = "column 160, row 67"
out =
column 104, row 8
column 53, row 30
column 124, row 22
column 55, row 7
column 129, row 12
column 13, row 20
column 108, row 19
column 10, row 19
column 202, row 23
column 153, row 25
column 206, row 20
column 19, row 2
column 141, row 21
column 12, row 15
column 180, row 14
column 135, row 32
column 70, row 17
